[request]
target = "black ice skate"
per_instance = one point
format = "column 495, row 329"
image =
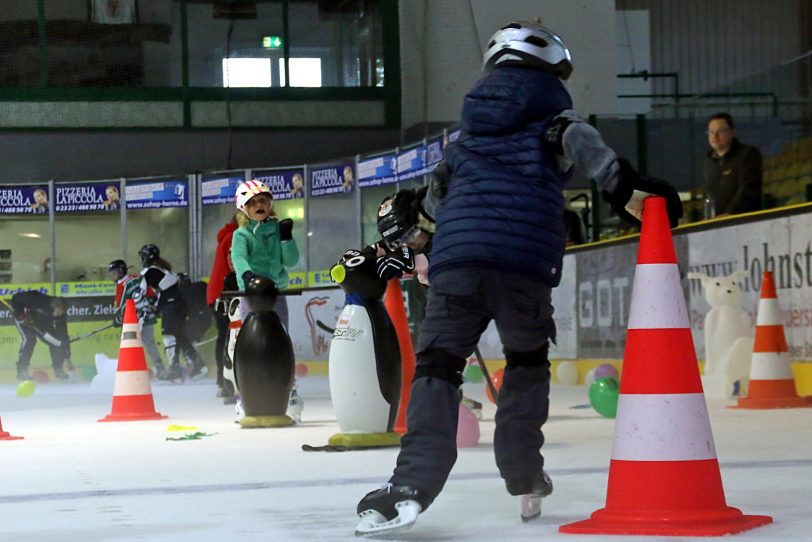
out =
column 60, row 374
column 173, row 374
column 198, row 371
column 530, row 493
column 389, row 509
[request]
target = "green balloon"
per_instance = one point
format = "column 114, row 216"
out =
column 473, row 373
column 26, row 388
column 603, row 394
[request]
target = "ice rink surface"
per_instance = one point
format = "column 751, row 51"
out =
column 74, row 479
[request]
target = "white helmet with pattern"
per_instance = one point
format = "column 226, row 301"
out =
column 248, row 190
column 523, row 43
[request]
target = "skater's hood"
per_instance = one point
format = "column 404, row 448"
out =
column 506, row 99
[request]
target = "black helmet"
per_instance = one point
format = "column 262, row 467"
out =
column 397, row 218
column 149, row 253
column 531, row 45
column 119, row 266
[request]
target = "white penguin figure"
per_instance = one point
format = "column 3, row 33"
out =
column 364, row 360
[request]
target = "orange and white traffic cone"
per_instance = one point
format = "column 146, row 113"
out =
column 4, row 435
column 664, row 476
column 771, row 381
column 393, row 300
column 132, row 394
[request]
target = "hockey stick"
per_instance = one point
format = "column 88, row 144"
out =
column 90, row 333
column 325, row 327
column 485, row 372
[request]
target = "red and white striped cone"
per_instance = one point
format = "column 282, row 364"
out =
column 664, row 477
column 771, row 382
column 132, row 394
column 5, row 435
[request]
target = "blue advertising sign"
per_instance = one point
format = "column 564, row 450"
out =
column 434, row 152
column 71, row 198
column 24, row 200
column 378, row 171
column 155, row 194
column 336, row 179
column 219, row 189
column 284, row 184
column 412, row 163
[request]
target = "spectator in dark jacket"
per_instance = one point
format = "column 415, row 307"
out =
column 733, row 171
column 497, row 253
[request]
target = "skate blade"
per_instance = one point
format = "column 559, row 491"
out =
column 374, row 525
column 529, row 507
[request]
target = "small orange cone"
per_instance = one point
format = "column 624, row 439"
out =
column 771, row 381
column 4, row 435
column 664, row 477
column 393, row 300
column 132, row 394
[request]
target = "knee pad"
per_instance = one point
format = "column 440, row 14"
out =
column 442, row 364
column 526, row 359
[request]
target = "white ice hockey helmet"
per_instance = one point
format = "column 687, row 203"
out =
column 248, row 190
column 523, row 43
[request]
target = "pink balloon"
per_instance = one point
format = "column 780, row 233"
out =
column 607, row 370
column 467, row 428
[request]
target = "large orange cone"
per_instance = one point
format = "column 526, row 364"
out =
column 664, row 477
column 393, row 300
column 132, row 394
column 4, row 435
column 771, row 381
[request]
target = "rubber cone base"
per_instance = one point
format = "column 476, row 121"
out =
column 727, row 521
column 366, row 440
column 782, row 402
column 251, row 422
column 4, row 435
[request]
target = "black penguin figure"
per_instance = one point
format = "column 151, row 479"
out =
column 365, row 363
column 263, row 359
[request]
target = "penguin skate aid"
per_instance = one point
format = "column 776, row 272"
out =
column 499, row 205
column 261, row 358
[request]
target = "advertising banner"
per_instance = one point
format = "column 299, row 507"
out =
column 378, row 171
column 217, row 189
column 434, row 153
column 157, row 194
column 412, row 163
column 783, row 246
column 336, row 179
column 103, row 196
column 284, row 184
column 24, row 200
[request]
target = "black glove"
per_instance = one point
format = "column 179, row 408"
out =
column 248, row 275
column 630, row 180
column 395, row 264
column 286, row 229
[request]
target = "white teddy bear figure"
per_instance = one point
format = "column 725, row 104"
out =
column 728, row 335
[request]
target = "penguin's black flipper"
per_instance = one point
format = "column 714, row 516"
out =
column 325, row 327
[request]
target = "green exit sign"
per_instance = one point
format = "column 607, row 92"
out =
column 272, row 42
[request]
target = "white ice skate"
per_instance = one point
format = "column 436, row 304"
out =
column 374, row 524
column 529, row 506
column 239, row 413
